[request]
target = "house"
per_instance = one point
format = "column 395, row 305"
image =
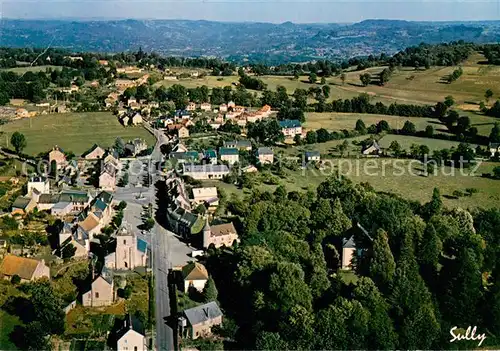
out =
column 40, row 183
column 312, row 156
column 185, row 157
column 94, row 153
column 265, row 111
column 107, row 179
column 131, row 336
column 131, row 101
column 101, row 292
column 494, row 148
column 191, row 106
column 27, row 269
column 211, row 156
column 195, row 275
column 229, row 155
column 183, row 114
column 125, row 120
column 205, row 195
column 205, row 106
column 265, row 155
column 219, row 235
column 23, row 205
column 205, row 171
column 78, row 238
column 182, row 132
column 290, row 127
column 22, row 113
column 239, row 144
column 198, row 321
column 231, row 104
column 136, row 146
column 348, row 251
column 372, row 149
column 130, row 252
column 222, row 108
column 136, row 119
column 61, row 209
column 179, row 147
column 178, row 129
column 57, row 155
column 91, row 225
column 249, row 169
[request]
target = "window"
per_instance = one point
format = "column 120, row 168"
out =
column 96, row 295
column 124, row 242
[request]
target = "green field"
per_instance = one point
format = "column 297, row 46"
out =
column 384, row 175
column 30, row 69
column 75, row 132
column 425, row 87
column 405, row 141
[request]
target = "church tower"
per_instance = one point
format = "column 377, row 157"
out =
column 206, row 234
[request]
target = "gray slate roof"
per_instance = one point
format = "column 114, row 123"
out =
column 203, row 313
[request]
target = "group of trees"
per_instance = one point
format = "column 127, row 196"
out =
column 419, row 270
column 455, row 75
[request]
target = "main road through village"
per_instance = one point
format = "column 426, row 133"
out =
column 166, row 250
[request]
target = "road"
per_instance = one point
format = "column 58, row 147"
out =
column 166, row 249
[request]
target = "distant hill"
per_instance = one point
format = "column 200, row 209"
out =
column 270, row 43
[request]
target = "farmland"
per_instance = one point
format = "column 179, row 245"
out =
column 75, row 132
column 384, row 175
column 30, row 69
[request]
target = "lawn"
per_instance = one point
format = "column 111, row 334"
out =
column 75, row 132
column 426, row 87
column 31, row 69
column 402, row 177
column 405, row 141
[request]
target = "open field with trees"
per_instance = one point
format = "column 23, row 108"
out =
column 75, row 132
column 30, row 68
column 412, row 185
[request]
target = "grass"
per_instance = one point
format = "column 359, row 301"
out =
column 405, row 141
column 75, row 132
column 31, row 69
column 425, row 86
column 335, row 121
column 84, row 322
column 383, row 175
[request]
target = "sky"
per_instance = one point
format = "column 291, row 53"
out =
column 275, row 11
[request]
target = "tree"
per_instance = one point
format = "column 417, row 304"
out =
column 385, row 75
column 35, row 336
column 210, row 291
column 343, row 147
column 47, row 307
column 365, row 78
column 15, row 279
column 313, row 78
column 342, row 78
column 4, row 99
column 488, row 94
column 68, row 251
column 360, row 126
column 429, row 131
column 395, row 148
column 323, row 80
column 495, row 133
column 270, row 341
column 449, row 101
column 382, row 266
column 18, row 141
column 434, row 206
column 326, row 91
column 409, row 128
column 311, row 137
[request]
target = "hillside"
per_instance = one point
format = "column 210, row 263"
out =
column 272, row 43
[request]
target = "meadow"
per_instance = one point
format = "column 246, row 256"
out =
column 75, row 132
column 35, row 69
column 384, row 175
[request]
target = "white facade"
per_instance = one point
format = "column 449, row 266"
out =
column 132, row 341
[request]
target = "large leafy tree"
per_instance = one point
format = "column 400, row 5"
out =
column 18, row 140
column 382, row 266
